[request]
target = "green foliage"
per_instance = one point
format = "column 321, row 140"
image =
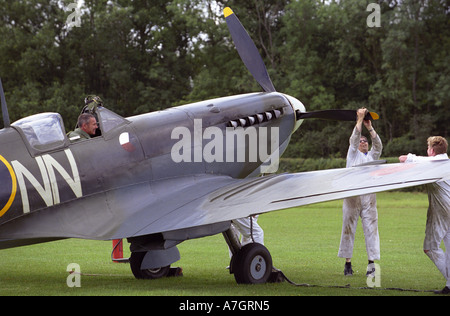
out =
column 142, row 56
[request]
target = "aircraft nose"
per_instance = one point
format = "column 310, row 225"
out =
column 296, row 106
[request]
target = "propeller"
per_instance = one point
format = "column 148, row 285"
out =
column 336, row 115
column 255, row 64
column 248, row 51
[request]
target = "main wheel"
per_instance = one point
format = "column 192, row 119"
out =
column 252, row 264
column 135, row 264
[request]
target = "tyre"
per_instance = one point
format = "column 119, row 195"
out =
column 135, row 264
column 252, row 265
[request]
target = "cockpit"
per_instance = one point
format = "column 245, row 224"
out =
column 45, row 132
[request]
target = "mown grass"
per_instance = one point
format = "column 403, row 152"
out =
column 303, row 243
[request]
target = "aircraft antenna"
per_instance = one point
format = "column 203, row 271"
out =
column 6, row 121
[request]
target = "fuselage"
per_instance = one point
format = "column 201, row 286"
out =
column 43, row 173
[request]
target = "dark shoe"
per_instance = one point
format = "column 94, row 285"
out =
column 370, row 270
column 445, row 290
column 348, row 269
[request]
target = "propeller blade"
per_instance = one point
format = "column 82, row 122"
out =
column 248, row 51
column 335, row 115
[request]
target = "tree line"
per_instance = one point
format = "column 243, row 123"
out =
column 143, row 55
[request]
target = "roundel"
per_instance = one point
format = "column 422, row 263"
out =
column 8, row 185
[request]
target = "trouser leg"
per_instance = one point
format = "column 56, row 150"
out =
column 440, row 258
column 447, row 257
column 249, row 230
column 349, row 224
column 369, row 220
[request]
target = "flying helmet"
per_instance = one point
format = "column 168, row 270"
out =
column 93, row 98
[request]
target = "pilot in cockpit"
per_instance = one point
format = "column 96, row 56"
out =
column 87, row 124
column 86, row 130
column 92, row 102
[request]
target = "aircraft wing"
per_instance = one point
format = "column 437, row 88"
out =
column 178, row 204
column 214, row 199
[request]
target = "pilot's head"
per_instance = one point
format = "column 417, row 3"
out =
column 88, row 123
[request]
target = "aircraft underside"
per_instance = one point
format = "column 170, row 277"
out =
column 250, row 264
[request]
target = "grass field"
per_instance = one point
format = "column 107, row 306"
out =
column 303, row 243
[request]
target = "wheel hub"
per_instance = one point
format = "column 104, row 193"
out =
column 258, row 267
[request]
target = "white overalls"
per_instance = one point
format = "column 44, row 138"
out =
column 247, row 230
column 438, row 220
column 364, row 206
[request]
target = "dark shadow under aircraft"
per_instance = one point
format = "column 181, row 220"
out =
column 161, row 178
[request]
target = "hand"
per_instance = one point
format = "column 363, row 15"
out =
column 361, row 113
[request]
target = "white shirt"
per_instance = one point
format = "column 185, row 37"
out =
column 355, row 157
column 414, row 158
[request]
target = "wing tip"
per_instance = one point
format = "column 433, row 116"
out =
column 227, row 12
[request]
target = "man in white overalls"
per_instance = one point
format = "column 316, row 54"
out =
column 438, row 217
column 364, row 206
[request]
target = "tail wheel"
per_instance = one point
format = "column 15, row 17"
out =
column 135, row 264
column 252, row 264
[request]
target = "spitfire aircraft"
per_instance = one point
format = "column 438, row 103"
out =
column 164, row 177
